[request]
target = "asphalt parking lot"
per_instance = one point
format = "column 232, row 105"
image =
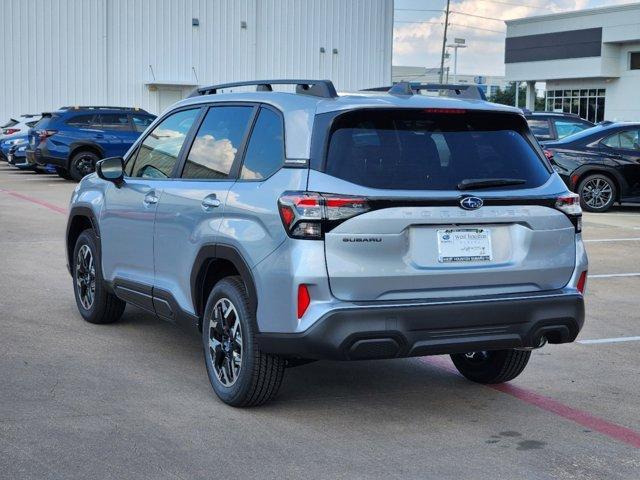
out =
column 132, row 400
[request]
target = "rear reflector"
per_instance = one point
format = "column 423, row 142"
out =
column 582, row 282
column 304, row 299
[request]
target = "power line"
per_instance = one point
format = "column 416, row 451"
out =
column 453, row 24
column 477, row 16
column 514, row 4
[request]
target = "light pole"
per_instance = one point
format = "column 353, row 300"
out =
column 457, row 43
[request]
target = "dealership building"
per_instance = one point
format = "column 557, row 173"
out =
column 151, row 53
column 588, row 59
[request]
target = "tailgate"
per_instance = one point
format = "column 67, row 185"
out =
column 404, row 253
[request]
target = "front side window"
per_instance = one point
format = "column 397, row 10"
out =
column 265, row 151
column 418, row 150
column 565, row 128
column 115, row 121
column 215, row 147
column 627, row 140
column 159, row 151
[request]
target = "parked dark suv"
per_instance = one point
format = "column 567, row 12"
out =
column 73, row 139
column 554, row 126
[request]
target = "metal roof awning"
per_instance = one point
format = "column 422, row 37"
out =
column 170, row 83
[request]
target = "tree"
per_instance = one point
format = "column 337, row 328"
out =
column 507, row 97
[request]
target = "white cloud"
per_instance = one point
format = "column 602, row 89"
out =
column 420, row 44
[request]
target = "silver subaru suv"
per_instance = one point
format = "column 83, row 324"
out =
column 290, row 226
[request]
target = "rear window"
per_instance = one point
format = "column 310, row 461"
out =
column 421, row 150
column 46, row 120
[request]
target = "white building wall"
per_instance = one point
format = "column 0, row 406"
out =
column 79, row 52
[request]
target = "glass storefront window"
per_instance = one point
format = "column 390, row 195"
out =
column 587, row 103
column 601, row 92
column 592, row 92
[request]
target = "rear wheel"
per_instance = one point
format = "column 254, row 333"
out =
column 95, row 303
column 82, row 164
column 63, row 173
column 597, row 193
column 491, row 366
column 240, row 374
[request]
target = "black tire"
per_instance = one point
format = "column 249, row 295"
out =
column 259, row 375
column 104, row 307
column 63, row 173
column 605, row 185
column 497, row 366
column 82, row 164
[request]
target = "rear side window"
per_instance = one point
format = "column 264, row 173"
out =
column 216, row 144
column 10, row 123
column 141, row 122
column 159, row 151
column 421, row 150
column 81, row 121
column 115, row 121
column 540, row 128
column 627, row 140
column 265, row 151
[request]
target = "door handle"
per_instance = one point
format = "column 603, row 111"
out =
column 210, row 201
column 151, row 198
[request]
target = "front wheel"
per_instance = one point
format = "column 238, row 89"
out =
column 597, row 193
column 496, row 366
column 95, row 303
column 240, row 374
column 82, row 164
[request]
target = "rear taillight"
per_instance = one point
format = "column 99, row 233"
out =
column 582, row 282
column 569, row 204
column 44, row 134
column 308, row 215
column 10, row 131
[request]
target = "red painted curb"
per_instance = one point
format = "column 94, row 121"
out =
column 42, row 203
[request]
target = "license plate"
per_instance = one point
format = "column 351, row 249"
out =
column 464, row 245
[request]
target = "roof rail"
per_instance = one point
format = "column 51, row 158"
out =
column 449, row 90
column 315, row 88
column 101, row 107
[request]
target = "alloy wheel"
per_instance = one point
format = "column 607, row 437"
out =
column 225, row 342
column 477, row 357
column 85, row 277
column 597, row 193
column 84, row 165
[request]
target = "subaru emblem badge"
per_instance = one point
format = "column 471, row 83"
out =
column 471, row 203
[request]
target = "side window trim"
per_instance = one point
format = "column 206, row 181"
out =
column 239, row 158
column 250, row 134
column 134, row 156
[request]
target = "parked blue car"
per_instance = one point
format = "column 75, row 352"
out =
column 6, row 144
column 73, row 139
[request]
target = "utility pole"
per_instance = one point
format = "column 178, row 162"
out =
column 444, row 40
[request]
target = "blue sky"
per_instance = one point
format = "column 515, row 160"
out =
column 479, row 22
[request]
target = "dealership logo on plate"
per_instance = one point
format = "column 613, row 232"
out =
column 471, row 203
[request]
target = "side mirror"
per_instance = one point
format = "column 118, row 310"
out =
column 111, row 169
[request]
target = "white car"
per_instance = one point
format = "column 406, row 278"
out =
column 15, row 127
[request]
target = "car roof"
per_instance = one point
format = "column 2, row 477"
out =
column 299, row 110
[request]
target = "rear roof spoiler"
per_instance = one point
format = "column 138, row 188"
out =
column 470, row 92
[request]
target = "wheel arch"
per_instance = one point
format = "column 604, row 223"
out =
column 78, row 147
column 80, row 219
column 214, row 262
column 578, row 176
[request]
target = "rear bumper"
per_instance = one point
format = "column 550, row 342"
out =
column 40, row 157
column 406, row 330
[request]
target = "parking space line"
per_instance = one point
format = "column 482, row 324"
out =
column 585, row 419
column 37, row 201
column 609, row 340
column 611, row 275
column 635, row 239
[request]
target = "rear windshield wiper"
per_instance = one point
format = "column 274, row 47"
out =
column 477, row 183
